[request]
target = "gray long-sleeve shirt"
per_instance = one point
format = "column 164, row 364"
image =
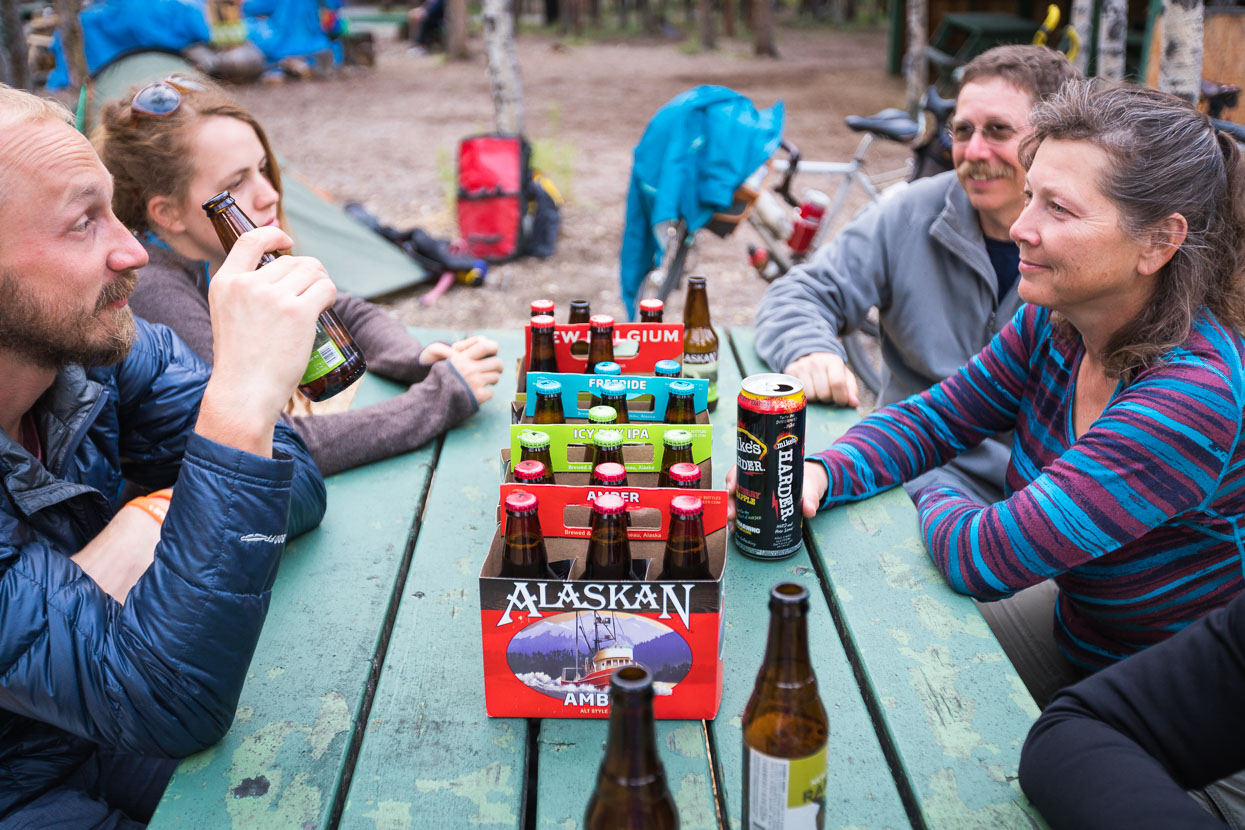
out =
column 172, row 290
column 920, row 257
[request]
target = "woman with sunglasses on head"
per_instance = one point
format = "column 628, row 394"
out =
column 179, row 142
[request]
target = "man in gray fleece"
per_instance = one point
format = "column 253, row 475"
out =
column 935, row 259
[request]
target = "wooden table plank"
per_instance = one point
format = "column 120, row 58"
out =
column 954, row 708
column 862, row 791
column 282, row 761
column 431, row 757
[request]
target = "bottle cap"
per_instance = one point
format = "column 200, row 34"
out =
column 652, row 304
column 602, row 415
column 544, row 386
column 681, row 387
column 677, row 438
column 610, row 473
column 608, row 504
column 520, row 502
column 607, row 438
column 542, row 306
column 530, row 470
column 686, row 506
column 533, row 439
column 607, row 367
column 543, row 321
column 666, row 369
column 601, row 321
column 614, row 386
column 685, row 473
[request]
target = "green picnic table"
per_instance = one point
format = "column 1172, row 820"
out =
column 364, row 705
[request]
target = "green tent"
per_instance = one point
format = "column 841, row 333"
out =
column 359, row 260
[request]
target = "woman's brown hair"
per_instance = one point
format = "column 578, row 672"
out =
column 150, row 155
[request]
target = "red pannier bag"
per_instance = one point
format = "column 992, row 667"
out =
column 492, row 172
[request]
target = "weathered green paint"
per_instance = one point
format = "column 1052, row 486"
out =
column 431, row 757
column 953, row 706
column 282, row 761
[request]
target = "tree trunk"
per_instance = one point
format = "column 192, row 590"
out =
column 503, row 67
column 708, row 36
column 1083, row 23
column 13, row 68
column 916, row 71
column 1180, row 68
column 594, row 12
column 456, row 30
column 728, row 18
column 763, row 28
column 838, row 12
column 71, row 40
column 1112, row 29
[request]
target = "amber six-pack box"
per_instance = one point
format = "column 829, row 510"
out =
column 637, row 348
column 570, row 450
column 550, row 645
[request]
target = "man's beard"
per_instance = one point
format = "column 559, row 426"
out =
column 56, row 338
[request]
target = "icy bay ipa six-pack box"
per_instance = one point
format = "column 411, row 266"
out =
column 550, row 645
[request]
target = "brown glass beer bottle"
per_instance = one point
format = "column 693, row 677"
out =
column 534, row 446
column 676, row 448
column 685, row 476
column 609, row 552
column 580, row 311
column 686, row 556
column 631, row 791
column 600, row 341
column 700, row 343
column 668, row 369
column 614, row 394
column 606, row 447
column 336, row 360
column 681, row 404
column 542, row 357
column 602, row 415
column 530, row 472
column 785, row 727
column 609, row 474
column 651, row 310
column 607, row 368
column 542, row 308
column 548, row 403
column 523, row 553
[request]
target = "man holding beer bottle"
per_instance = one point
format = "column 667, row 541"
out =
column 128, row 628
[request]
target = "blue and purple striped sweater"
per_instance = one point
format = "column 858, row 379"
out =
column 1139, row 521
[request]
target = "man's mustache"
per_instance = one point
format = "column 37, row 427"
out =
column 118, row 289
column 983, row 170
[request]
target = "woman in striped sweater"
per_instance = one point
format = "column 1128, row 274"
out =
column 1122, row 378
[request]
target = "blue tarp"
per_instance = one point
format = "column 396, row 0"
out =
column 289, row 28
column 698, row 148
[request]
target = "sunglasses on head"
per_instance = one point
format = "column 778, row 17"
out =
column 164, row 97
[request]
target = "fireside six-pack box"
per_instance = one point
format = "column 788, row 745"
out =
column 647, row 397
column 637, row 348
column 550, row 645
column 570, row 450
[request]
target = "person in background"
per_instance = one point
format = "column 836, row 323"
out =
column 427, row 24
column 935, row 260
column 174, row 145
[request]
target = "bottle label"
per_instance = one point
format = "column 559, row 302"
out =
column 704, row 367
column 785, row 793
column 325, row 357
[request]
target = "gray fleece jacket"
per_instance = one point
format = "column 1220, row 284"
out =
column 920, row 257
column 173, row 290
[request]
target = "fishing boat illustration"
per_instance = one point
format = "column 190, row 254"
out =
column 603, row 647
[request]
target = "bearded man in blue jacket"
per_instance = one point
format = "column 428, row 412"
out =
column 124, row 642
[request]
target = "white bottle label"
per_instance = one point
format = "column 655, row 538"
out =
column 786, row 793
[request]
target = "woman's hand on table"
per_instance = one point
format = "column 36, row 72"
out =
column 816, row 483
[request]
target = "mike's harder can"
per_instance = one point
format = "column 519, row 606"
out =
column 770, row 466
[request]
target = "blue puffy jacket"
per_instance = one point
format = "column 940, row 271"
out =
column 161, row 675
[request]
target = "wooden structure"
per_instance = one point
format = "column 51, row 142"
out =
column 364, row 709
column 1223, row 48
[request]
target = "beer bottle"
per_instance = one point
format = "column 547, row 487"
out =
column 685, row 476
column 609, row 474
column 531, row 472
column 700, row 343
column 336, row 361
column 681, row 404
column 602, row 415
column 608, row 368
column 686, row 556
column 609, row 553
column 580, row 311
column 676, row 448
column 668, row 369
column 523, row 549
column 785, row 728
column 549, row 403
column 542, row 307
column 631, row 791
column 542, row 358
column 606, row 447
column 534, row 446
column 614, row 393
column 600, row 341
column 651, row 310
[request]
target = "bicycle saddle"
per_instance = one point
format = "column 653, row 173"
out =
column 889, row 123
column 941, row 108
column 1219, row 96
column 1237, row 131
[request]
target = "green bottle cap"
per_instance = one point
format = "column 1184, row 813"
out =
column 602, row 415
column 677, row 438
column 533, row 439
column 607, row 439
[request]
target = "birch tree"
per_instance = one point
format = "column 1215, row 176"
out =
column 1083, row 23
column 503, row 67
column 1180, row 67
column 708, row 32
column 1112, row 29
column 456, row 30
column 916, row 71
column 763, row 28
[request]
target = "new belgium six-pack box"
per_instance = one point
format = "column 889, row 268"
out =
column 637, row 348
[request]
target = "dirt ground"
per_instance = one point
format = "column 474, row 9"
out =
column 387, row 137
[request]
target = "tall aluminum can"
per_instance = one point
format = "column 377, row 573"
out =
column 770, row 466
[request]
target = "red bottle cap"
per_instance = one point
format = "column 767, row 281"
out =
column 543, row 321
column 542, row 307
column 652, row 304
column 530, row 470
column 601, row 321
column 610, row 473
column 683, row 473
column 608, row 504
column 520, row 502
column 686, row 506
